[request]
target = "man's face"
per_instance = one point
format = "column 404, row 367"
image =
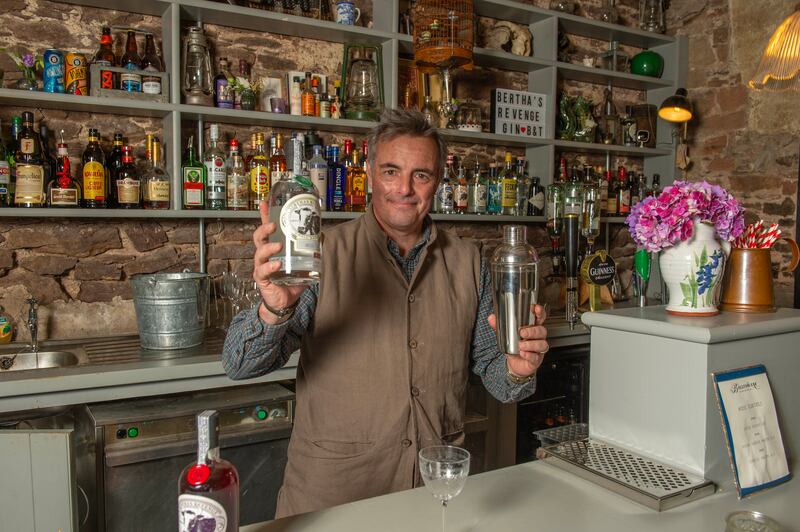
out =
column 404, row 180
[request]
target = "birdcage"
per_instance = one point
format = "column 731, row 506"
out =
column 443, row 33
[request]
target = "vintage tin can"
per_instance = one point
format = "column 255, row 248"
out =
column 53, row 71
column 75, row 74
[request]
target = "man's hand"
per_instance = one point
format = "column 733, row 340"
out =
column 277, row 297
column 532, row 347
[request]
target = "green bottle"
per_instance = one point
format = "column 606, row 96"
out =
column 194, row 179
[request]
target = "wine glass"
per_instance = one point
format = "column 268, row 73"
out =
column 444, row 470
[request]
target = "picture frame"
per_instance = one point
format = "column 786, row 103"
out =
column 273, row 84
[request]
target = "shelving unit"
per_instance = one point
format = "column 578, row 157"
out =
column 542, row 68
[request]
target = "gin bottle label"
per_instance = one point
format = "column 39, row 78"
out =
column 200, row 513
column 301, row 223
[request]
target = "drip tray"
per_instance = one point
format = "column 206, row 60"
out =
column 637, row 477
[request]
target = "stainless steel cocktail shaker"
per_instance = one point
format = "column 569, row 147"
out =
column 515, row 281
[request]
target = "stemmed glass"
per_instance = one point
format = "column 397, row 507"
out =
column 444, row 470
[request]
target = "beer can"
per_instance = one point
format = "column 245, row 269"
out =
column 53, row 71
column 75, row 74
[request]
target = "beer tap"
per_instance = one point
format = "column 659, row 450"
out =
column 571, row 232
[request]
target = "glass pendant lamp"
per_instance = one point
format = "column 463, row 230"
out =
column 779, row 69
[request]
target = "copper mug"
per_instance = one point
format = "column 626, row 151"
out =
column 747, row 284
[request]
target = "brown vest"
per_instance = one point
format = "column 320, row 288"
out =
column 383, row 368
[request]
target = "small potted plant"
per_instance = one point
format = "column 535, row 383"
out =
column 28, row 64
column 692, row 225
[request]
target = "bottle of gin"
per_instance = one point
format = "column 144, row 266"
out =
column 214, row 160
column 461, row 191
column 477, row 192
column 208, row 497
column 509, row 182
column 318, row 171
column 337, row 182
column 536, row 198
column 446, row 192
column 494, row 190
column 294, row 207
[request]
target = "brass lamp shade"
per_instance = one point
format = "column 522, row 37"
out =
column 676, row 108
column 779, row 69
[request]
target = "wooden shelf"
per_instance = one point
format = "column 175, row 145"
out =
column 604, row 77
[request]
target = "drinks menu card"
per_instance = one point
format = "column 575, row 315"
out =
column 751, row 428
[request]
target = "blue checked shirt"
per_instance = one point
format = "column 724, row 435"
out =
column 253, row 348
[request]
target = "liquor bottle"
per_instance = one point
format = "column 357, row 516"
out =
column 623, row 193
column 296, row 162
column 555, row 216
column 573, row 194
column 223, row 93
column 308, row 102
column 237, row 184
column 523, row 188
column 151, row 62
column 655, row 188
column 609, row 120
column 294, row 207
column 603, row 185
column 105, row 57
column 5, row 173
column 127, row 182
column 461, row 191
column 356, row 186
column 337, row 182
column 633, row 183
column 644, row 190
column 509, row 180
column 258, row 168
column 613, row 194
column 536, row 199
column 316, row 93
column 364, row 164
column 590, row 214
column 48, row 161
column 113, row 164
column 194, row 179
column 277, row 160
column 446, row 190
column 214, row 160
column 94, row 173
column 318, row 172
column 155, row 179
column 477, row 192
column 208, row 493
column 63, row 191
column 29, row 166
column 295, row 98
column 131, row 81
column 494, row 190
column 11, row 157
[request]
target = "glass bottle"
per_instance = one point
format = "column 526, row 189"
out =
column 94, row 173
column 655, row 189
column 602, row 185
column 245, row 97
column 5, row 174
column 294, row 207
column 337, row 182
column 127, row 183
column 295, row 97
column 356, row 186
column 258, row 168
column 155, row 179
column 223, row 94
column 644, row 190
column 509, row 182
column 573, row 194
column 151, row 63
column 113, row 164
column 307, row 103
column 445, row 194
column 623, row 193
column 105, row 57
column 131, row 81
column 633, row 183
column 477, row 192
column 208, row 489
column 48, row 161
column 194, row 179
column 609, row 121
column 318, row 172
column 613, row 194
column 237, row 184
column 590, row 213
column 461, row 191
column 63, row 191
column 494, row 191
column 29, row 166
column 277, row 160
column 555, row 215
column 536, row 198
column 523, row 188
column 430, row 113
column 216, row 174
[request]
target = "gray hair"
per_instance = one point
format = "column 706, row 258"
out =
column 399, row 122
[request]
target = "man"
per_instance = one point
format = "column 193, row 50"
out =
column 387, row 338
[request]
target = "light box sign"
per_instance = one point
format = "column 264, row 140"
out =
column 519, row 113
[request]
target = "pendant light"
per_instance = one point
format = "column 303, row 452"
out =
column 779, row 69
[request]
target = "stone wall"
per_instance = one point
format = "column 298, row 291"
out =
column 80, row 269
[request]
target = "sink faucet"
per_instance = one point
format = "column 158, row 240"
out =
column 33, row 323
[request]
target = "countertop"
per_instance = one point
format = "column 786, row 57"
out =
column 120, row 369
column 538, row 496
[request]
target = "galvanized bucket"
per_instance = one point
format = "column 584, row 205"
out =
column 170, row 309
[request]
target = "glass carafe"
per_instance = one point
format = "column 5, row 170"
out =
column 515, row 282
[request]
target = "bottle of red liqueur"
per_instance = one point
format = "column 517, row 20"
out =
column 208, row 496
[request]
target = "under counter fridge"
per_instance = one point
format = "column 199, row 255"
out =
column 130, row 454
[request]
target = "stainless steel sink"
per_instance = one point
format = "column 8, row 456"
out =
column 42, row 359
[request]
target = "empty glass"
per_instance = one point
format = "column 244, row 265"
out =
column 444, row 470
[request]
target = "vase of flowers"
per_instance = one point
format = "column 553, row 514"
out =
column 28, row 64
column 691, row 224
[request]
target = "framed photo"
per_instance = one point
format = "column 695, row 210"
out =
column 273, row 85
